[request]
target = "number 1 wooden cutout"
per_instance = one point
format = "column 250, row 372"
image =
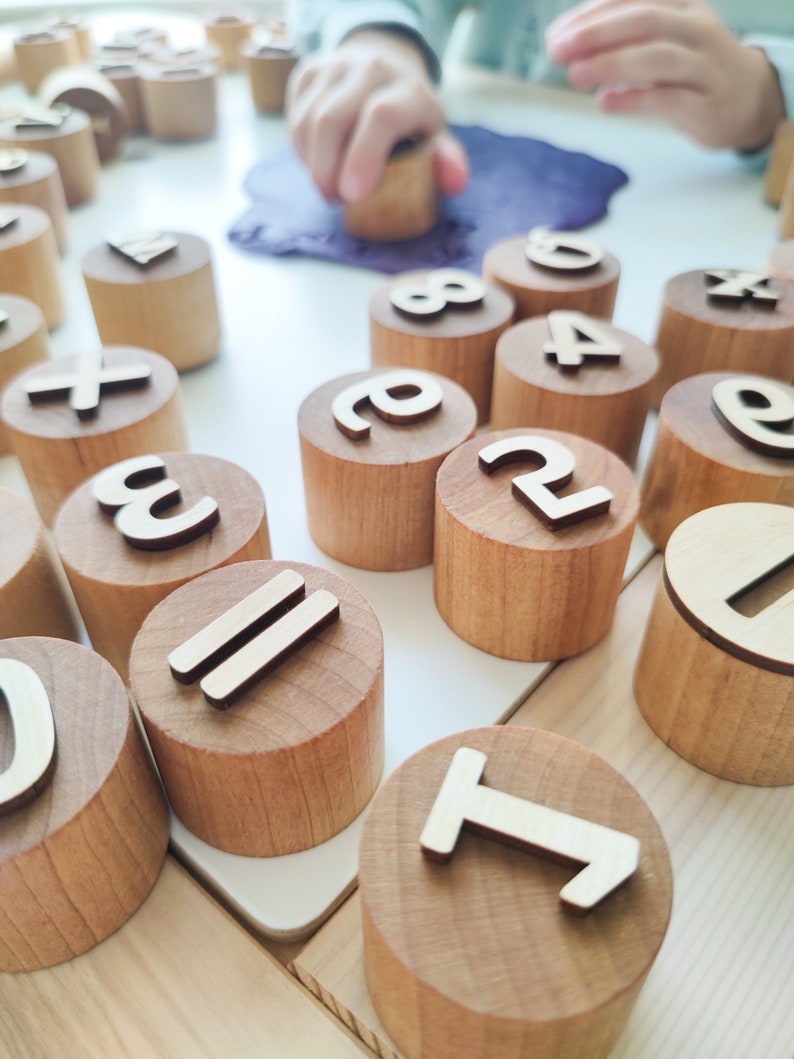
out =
column 397, row 397
column 34, row 735
column 609, row 857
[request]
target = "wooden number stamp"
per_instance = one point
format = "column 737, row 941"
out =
column 91, row 92
column 721, row 439
column 179, row 102
column 371, row 445
column 480, row 945
column 502, row 579
column 298, row 756
column 41, row 51
column 29, row 265
column 725, row 610
column 32, row 178
column 269, row 67
column 67, row 135
column 84, row 828
column 229, row 31
column 404, row 205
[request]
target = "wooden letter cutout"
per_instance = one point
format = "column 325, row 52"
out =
column 535, row 487
column 402, row 396
column 252, row 638
column 609, row 857
column 136, row 491
column 732, row 287
column 87, row 383
column 143, row 248
column 576, row 337
column 34, row 735
column 758, row 412
column 442, row 288
column 562, row 251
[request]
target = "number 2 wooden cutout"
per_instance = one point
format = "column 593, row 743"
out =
column 397, row 396
column 34, row 735
column 535, row 487
column 760, row 412
column 136, row 491
column 609, row 857
column 576, row 338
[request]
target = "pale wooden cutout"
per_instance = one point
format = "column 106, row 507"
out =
column 199, row 654
column 85, row 385
column 124, row 489
column 610, row 857
column 442, row 287
column 12, row 159
column 34, row 735
column 8, row 218
column 143, row 248
column 762, row 428
column 535, row 488
column 576, row 337
column 402, row 396
column 4, row 318
column 733, row 286
column 562, row 251
column 35, row 116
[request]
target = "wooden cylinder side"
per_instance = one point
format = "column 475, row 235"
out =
column 24, row 341
column 179, row 102
column 73, row 147
column 404, row 205
column 38, row 183
column 29, row 265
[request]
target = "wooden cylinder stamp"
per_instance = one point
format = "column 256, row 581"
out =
column 786, row 219
column 32, row 178
column 404, row 205
column 120, row 67
column 23, row 341
column 445, row 321
column 780, row 261
column 85, row 829
column 725, row 320
column 66, row 134
column 34, row 600
column 721, row 439
column 228, row 31
column 42, row 51
column 483, row 934
column 278, row 746
column 68, row 418
column 571, row 372
column 179, row 102
column 780, row 162
column 519, row 571
column 370, row 479
column 269, row 67
column 29, row 264
column 144, row 526
column 714, row 674
column 549, row 270
column 90, row 91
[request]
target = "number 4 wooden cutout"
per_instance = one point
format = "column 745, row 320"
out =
column 609, row 857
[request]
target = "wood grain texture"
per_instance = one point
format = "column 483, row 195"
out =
column 228, row 31
column 77, row 861
column 179, row 102
column 37, row 53
column 73, row 147
column 87, row 89
column 779, row 164
column 727, row 705
column 29, row 265
column 698, row 335
column 459, row 343
column 506, row 583
column 476, row 956
column 169, row 306
column 121, row 69
column 404, row 205
column 111, row 577
column 38, row 183
column 268, row 69
column 58, row 451
column 697, row 462
column 537, row 291
column 34, row 597
column 786, row 219
column 780, row 260
column 605, row 402
column 23, row 342
column 370, row 502
column 299, row 755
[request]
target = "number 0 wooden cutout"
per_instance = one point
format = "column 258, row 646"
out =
column 34, row 735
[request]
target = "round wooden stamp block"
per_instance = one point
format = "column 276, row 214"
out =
column 157, row 290
column 278, row 746
column 86, row 825
column 120, row 67
column 229, row 31
column 88, row 90
column 29, row 265
column 780, row 162
column 445, row 321
column 554, row 270
column 725, row 320
column 32, row 178
column 81, row 30
column 67, row 135
column 33, row 593
column 23, row 341
column 404, row 205
column 520, row 571
column 483, row 935
column 269, row 67
column 142, row 527
column 780, row 261
column 179, row 102
column 786, row 215
column 714, row 674
column 571, row 372
column 68, row 418
column 721, row 439
column 371, row 446
column 39, row 52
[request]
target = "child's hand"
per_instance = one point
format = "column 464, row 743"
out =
column 347, row 110
column 674, row 59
